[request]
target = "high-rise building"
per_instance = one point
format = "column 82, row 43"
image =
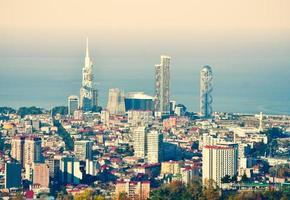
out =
column 139, row 117
column 205, row 91
column 154, row 147
column 116, row 102
column 73, row 104
column 172, row 106
column 36, row 124
column 148, row 144
column 218, row 161
column 91, row 167
column 105, row 117
column 70, row 171
column 135, row 190
column 162, row 90
column 17, row 148
column 12, row 175
column 139, row 101
column 54, row 166
column 88, row 92
column 83, row 149
column 139, row 141
column 210, row 139
column 26, row 149
column 41, row 174
column 32, row 150
column 28, row 169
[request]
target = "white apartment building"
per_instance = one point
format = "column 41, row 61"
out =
column 218, row 161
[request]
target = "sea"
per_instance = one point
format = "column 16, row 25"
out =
column 239, row 85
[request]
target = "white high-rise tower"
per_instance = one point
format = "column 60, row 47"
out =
column 205, row 91
column 88, row 92
column 162, row 80
column 218, row 161
column 154, row 147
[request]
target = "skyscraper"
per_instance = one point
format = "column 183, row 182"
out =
column 73, row 104
column 139, row 139
column 41, row 174
column 154, row 147
column 162, row 80
column 88, row 92
column 105, row 117
column 17, row 148
column 32, row 150
column 205, row 91
column 148, row 144
column 26, row 150
column 218, row 161
column 83, row 149
column 116, row 102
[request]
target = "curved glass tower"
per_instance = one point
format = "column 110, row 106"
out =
column 205, row 91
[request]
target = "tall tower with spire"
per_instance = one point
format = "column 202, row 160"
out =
column 88, row 91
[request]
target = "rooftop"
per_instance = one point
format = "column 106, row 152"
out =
column 138, row 95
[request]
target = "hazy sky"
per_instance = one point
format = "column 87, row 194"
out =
column 247, row 42
column 59, row 26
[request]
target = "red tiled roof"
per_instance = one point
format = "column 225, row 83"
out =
column 217, row 147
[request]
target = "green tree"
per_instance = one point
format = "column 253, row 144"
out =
column 195, row 189
column 69, row 143
column 210, row 191
column 6, row 110
column 22, row 111
column 244, row 178
column 62, row 110
column 171, row 191
column 226, row 179
column 195, row 145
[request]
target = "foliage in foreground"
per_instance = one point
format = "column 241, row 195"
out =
column 195, row 191
column 88, row 194
column 178, row 190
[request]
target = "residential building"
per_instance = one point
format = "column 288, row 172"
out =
column 116, row 102
column 218, row 161
column 83, row 149
column 135, row 190
column 73, row 104
column 41, row 174
column 154, row 147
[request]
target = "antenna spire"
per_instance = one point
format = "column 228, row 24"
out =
column 87, row 48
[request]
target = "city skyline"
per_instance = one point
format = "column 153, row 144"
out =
column 169, row 99
column 179, row 72
column 246, row 42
